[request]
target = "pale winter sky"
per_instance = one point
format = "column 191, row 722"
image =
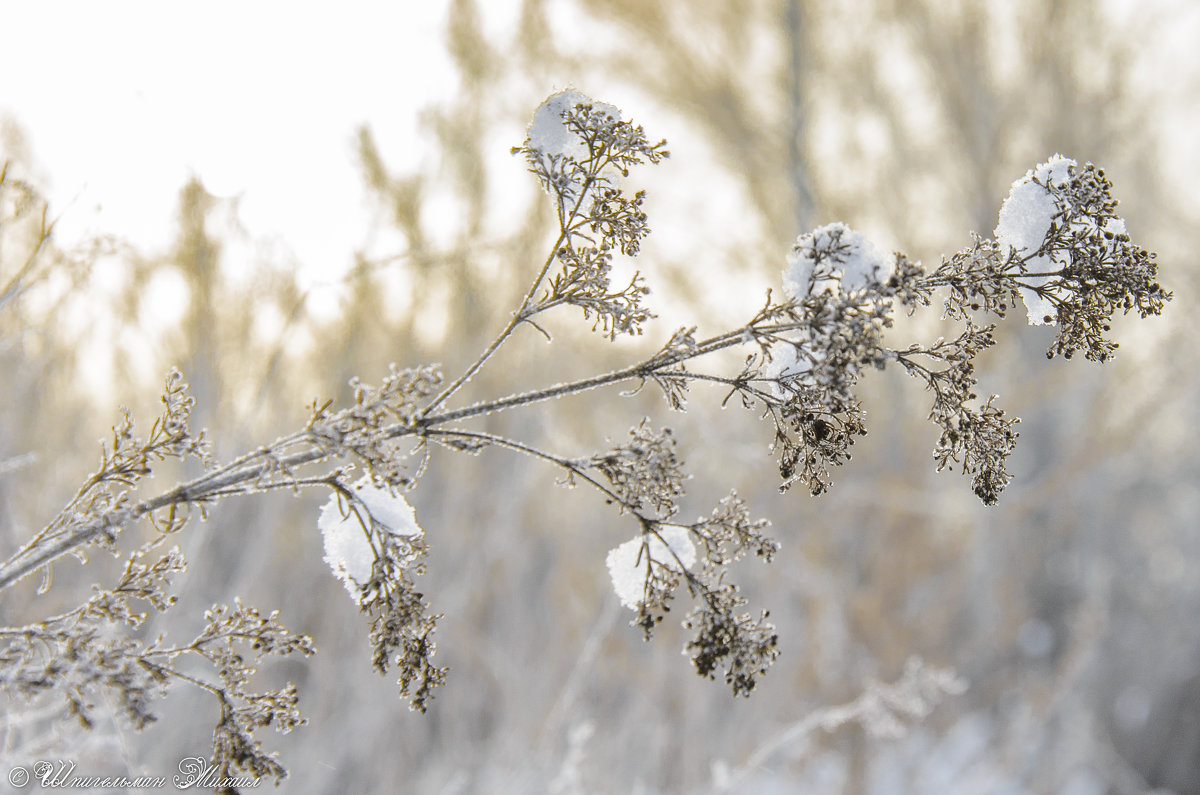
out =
column 121, row 102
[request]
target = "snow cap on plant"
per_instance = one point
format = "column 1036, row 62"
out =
column 548, row 132
column 627, row 564
column 1025, row 219
column 833, row 257
column 346, row 528
column 792, row 362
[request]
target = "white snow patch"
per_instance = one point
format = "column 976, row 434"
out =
column 787, row 363
column 348, row 549
column 833, row 257
column 548, row 132
column 627, row 563
column 1025, row 219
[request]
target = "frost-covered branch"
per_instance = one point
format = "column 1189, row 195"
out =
column 1059, row 247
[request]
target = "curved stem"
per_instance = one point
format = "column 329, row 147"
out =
column 571, row 466
column 641, row 370
column 251, row 467
column 202, row 489
column 566, row 230
column 518, row 317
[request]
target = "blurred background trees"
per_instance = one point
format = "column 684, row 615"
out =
column 1067, row 607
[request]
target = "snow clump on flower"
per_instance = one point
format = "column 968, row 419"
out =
column 1025, row 218
column 833, row 257
column 627, row 563
column 830, row 258
column 346, row 530
column 1046, row 209
column 789, row 363
column 549, row 134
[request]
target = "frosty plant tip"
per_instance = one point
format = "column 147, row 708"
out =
column 1059, row 248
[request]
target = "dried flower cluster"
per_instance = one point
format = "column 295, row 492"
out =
column 576, row 149
column 362, row 431
column 978, row 439
column 741, row 644
column 645, row 474
column 645, row 478
column 374, row 545
column 1059, row 247
column 88, row 653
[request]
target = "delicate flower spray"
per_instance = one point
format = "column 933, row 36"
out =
column 1059, row 248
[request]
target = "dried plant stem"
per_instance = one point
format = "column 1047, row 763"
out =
column 520, row 316
column 523, row 312
column 640, row 371
column 249, row 469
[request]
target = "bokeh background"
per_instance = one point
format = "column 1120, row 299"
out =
column 277, row 200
